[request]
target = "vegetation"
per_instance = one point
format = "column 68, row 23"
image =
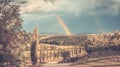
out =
column 103, row 40
column 33, row 53
column 12, row 35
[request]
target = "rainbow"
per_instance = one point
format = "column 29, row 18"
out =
column 66, row 29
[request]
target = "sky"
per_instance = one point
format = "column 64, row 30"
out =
column 80, row 16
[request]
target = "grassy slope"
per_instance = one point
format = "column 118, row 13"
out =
column 105, row 57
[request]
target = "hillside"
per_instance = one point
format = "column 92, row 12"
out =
column 65, row 40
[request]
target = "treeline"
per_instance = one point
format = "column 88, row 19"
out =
column 103, row 39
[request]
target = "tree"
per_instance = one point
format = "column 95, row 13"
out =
column 10, row 26
column 35, row 41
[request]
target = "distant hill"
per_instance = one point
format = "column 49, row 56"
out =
column 65, row 40
column 86, row 40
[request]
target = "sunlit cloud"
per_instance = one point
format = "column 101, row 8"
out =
column 71, row 7
column 64, row 6
column 47, row 8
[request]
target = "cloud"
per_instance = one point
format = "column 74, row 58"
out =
column 72, row 7
column 56, row 6
column 75, row 7
column 37, row 6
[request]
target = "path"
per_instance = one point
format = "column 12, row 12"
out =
column 56, row 65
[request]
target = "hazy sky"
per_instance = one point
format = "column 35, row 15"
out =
column 81, row 16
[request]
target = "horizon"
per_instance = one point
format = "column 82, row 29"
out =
column 51, row 33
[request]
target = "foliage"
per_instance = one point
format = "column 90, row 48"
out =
column 10, row 29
